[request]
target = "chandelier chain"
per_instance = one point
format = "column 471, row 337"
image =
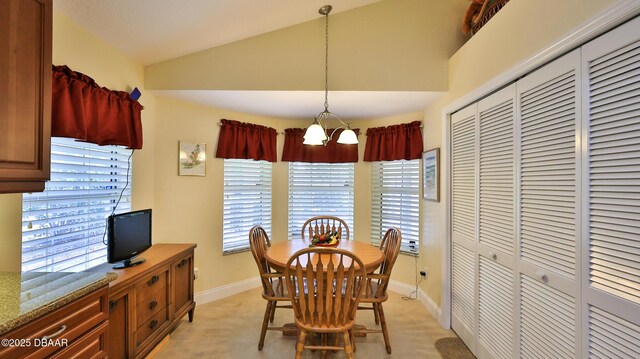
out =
column 326, row 63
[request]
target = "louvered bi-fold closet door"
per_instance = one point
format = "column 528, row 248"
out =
column 496, row 227
column 611, row 221
column 463, row 224
column 548, row 212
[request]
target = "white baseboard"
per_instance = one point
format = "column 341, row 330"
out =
column 211, row 295
column 425, row 300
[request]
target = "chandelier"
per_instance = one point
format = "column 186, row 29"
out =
column 316, row 133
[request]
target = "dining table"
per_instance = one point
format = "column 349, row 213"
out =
column 280, row 252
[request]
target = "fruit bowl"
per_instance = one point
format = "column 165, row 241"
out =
column 329, row 239
column 326, row 244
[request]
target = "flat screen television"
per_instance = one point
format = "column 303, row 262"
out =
column 129, row 234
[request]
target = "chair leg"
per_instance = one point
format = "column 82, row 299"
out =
column 265, row 321
column 352, row 336
column 385, row 333
column 273, row 311
column 302, row 336
column 323, row 342
column 348, row 349
column 375, row 313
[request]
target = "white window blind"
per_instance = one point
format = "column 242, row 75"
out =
column 395, row 201
column 319, row 189
column 247, row 201
column 63, row 227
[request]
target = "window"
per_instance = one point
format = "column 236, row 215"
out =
column 319, row 189
column 63, row 227
column 395, row 201
column 247, row 201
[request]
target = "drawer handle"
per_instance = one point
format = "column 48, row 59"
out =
column 153, row 304
column 153, row 280
column 493, row 255
column 51, row 336
column 182, row 263
column 153, row 324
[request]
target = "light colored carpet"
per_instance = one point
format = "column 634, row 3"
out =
column 230, row 328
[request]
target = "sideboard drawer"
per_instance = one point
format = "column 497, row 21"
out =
column 92, row 345
column 154, row 324
column 60, row 328
column 152, row 286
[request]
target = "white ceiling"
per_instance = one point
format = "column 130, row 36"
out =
column 348, row 105
column 151, row 31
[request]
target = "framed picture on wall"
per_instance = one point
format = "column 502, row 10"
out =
column 431, row 175
column 192, row 158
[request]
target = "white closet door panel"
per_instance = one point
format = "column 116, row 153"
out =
column 547, row 321
column 463, row 175
column 611, row 336
column 611, row 193
column 464, row 225
column 496, row 168
column 495, row 309
column 463, row 288
column 549, row 110
column 614, row 169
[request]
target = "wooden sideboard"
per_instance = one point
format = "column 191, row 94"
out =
column 148, row 300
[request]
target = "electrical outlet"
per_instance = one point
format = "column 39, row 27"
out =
column 195, row 273
column 424, row 272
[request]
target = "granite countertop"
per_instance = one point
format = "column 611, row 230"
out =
column 27, row 296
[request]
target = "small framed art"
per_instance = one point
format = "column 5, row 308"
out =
column 192, row 159
column 431, row 175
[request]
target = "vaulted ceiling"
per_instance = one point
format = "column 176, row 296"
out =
column 267, row 57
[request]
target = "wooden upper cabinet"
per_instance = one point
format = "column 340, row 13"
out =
column 25, row 94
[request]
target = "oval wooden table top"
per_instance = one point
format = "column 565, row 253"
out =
column 280, row 252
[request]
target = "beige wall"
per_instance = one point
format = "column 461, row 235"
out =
column 390, row 45
column 521, row 30
column 189, row 209
column 10, row 232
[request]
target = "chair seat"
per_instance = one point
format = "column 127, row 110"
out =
column 279, row 289
column 326, row 327
column 370, row 293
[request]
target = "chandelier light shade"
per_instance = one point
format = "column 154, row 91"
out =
column 348, row 137
column 316, row 133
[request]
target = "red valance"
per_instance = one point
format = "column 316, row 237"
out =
column 246, row 141
column 397, row 142
column 83, row 110
column 333, row 152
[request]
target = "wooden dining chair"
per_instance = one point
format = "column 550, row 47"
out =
column 324, row 224
column 329, row 305
column 375, row 291
column 274, row 289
